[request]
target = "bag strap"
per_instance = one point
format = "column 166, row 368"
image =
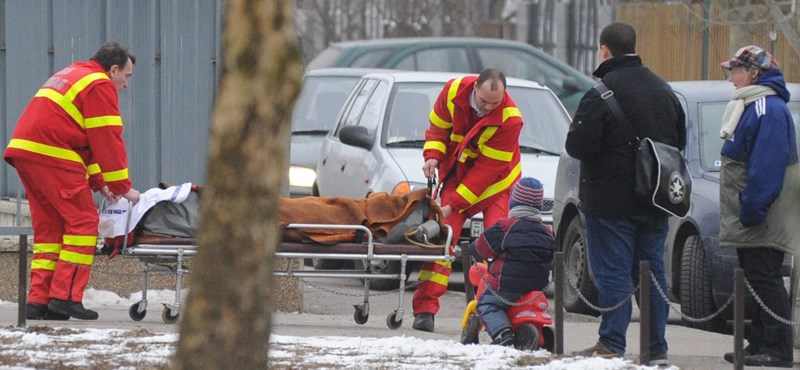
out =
column 608, row 95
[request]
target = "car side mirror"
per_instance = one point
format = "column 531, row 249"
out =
column 571, row 84
column 356, row 136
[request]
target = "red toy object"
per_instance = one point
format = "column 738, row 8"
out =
column 529, row 320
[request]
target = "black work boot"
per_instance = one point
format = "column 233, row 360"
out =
column 38, row 311
column 504, row 338
column 72, row 309
column 423, row 321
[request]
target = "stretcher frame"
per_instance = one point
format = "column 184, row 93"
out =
column 169, row 254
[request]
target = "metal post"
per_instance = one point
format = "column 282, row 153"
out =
column 644, row 312
column 23, row 277
column 738, row 320
column 558, row 277
column 466, row 263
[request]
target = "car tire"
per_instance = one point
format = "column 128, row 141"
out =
column 384, row 267
column 577, row 269
column 697, row 296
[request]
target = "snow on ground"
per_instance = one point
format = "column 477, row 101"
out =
column 57, row 345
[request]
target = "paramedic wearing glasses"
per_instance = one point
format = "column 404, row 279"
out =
column 68, row 143
column 473, row 142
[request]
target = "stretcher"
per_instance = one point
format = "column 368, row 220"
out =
column 158, row 253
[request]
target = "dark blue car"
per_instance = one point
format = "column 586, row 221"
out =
column 699, row 272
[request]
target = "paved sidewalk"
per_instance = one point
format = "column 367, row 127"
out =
column 329, row 314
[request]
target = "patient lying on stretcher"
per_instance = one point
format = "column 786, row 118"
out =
column 174, row 212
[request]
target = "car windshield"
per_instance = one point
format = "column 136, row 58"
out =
column 710, row 124
column 545, row 122
column 319, row 103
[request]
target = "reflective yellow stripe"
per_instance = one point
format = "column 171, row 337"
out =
column 115, row 175
column 73, row 257
column 456, row 138
column 451, row 94
column 492, row 189
column 93, row 169
column 81, row 240
column 45, row 149
column 439, row 122
column 62, row 102
column 65, row 101
column 46, row 248
column 427, row 275
column 43, row 264
column 435, row 145
column 467, row 154
column 511, row 112
column 487, row 134
column 103, row 121
column 499, row 155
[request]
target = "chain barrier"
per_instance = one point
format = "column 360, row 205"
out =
column 766, row 309
column 684, row 316
column 586, row 301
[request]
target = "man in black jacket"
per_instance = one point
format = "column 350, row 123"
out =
column 621, row 230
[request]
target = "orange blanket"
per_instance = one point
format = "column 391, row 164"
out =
column 379, row 212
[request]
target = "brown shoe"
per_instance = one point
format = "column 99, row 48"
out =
column 598, row 350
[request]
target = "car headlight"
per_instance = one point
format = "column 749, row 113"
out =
column 301, row 176
column 406, row 187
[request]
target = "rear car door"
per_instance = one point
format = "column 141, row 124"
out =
column 344, row 169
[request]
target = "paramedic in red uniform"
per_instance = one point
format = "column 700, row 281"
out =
column 473, row 142
column 68, row 143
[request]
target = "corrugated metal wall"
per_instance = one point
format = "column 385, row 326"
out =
column 670, row 40
column 167, row 106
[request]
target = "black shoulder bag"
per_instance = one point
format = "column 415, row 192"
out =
column 662, row 178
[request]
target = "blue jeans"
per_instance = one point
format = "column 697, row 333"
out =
column 616, row 246
column 492, row 311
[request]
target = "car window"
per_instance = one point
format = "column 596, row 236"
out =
column 410, row 108
column 518, row 63
column 319, row 102
column 371, row 58
column 545, row 123
column 710, row 124
column 449, row 59
column 357, row 102
column 327, row 58
column 372, row 111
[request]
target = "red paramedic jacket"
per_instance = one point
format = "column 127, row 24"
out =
column 481, row 154
column 73, row 123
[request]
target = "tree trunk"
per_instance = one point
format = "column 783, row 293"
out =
column 226, row 323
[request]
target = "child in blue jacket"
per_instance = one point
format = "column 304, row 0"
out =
column 520, row 254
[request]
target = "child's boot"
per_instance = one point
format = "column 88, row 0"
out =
column 504, row 338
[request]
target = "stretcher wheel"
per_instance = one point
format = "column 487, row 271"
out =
column 527, row 338
column 168, row 317
column 392, row 322
column 549, row 337
column 359, row 315
column 134, row 313
column 470, row 334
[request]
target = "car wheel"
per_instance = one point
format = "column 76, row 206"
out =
column 697, row 298
column 577, row 270
column 384, row 267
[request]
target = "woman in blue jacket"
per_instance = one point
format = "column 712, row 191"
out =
column 759, row 193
